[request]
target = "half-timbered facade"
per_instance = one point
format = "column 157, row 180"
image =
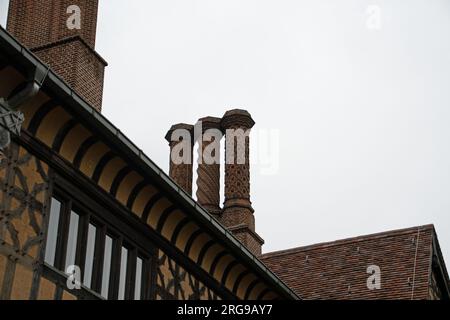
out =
column 76, row 192
column 85, row 214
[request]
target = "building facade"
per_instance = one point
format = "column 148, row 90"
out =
column 85, row 214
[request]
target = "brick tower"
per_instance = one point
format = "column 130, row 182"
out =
column 62, row 33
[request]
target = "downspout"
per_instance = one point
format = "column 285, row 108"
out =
column 10, row 118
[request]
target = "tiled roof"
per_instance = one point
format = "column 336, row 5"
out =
column 339, row 270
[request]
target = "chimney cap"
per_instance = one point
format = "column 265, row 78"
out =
column 210, row 123
column 237, row 118
column 179, row 126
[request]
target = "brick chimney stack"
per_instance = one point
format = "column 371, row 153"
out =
column 62, row 34
column 208, row 172
column 181, row 139
column 237, row 213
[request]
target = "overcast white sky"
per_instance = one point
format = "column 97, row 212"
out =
column 363, row 115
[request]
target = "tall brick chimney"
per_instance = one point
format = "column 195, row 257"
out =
column 181, row 139
column 62, row 34
column 237, row 211
column 208, row 171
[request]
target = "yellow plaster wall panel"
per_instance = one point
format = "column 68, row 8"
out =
column 210, row 255
column 110, row 172
column 73, row 141
column 23, row 280
column 222, row 265
column 157, row 210
column 184, row 235
column 243, row 286
column 68, row 296
column 198, row 245
column 92, row 158
column 51, row 125
column 126, row 187
column 46, row 290
column 257, row 290
column 233, row 275
column 30, row 108
column 142, row 199
column 171, row 223
column 3, row 262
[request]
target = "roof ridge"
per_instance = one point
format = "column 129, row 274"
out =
column 362, row 238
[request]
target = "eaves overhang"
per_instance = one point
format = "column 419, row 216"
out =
column 24, row 60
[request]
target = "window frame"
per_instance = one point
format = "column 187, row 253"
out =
column 91, row 212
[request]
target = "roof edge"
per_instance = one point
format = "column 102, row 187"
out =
column 357, row 239
column 20, row 54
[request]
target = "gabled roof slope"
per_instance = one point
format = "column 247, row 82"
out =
column 339, row 270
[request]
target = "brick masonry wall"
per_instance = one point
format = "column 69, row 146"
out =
column 42, row 27
column 78, row 65
column 249, row 239
column 36, row 23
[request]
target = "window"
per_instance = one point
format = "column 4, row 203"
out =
column 90, row 250
column 52, row 234
column 72, row 240
column 106, row 274
column 111, row 265
column 123, row 273
column 138, row 284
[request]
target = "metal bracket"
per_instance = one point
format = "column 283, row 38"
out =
column 10, row 122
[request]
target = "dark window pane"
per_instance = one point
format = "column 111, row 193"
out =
column 72, row 239
column 90, row 248
column 123, row 273
column 52, row 233
column 106, row 267
column 138, row 284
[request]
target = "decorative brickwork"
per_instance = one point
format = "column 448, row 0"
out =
column 238, row 211
column 181, row 173
column 208, row 175
column 42, row 27
column 237, row 176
